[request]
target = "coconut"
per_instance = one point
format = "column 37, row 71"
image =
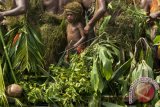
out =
column 14, row 90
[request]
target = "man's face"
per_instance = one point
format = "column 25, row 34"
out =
column 49, row 2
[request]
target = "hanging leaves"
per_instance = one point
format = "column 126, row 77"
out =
column 121, row 70
column 26, row 51
column 106, row 59
column 96, row 78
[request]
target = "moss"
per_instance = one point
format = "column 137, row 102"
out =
column 54, row 39
column 50, row 18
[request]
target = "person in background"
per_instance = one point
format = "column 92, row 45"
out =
column 152, row 8
column 93, row 9
column 18, row 7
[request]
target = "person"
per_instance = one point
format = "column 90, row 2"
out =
column 19, row 7
column 18, row 15
column 152, row 8
column 75, row 31
column 94, row 9
column 54, row 6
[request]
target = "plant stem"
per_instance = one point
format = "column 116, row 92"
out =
column 7, row 56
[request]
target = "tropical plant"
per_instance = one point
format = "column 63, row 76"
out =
column 99, row 77
column 3, row 98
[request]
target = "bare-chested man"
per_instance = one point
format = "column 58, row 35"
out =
column 97, row 9
column 152, row 8
column 55, row 6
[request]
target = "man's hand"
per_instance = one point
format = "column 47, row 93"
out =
column 153, row 15
column 87, row 28
column 66, row 58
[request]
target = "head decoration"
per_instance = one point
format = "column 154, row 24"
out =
column 74, row 7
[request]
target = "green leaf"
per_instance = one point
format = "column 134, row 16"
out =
column 3, row 99
column 34, row 34
column 158, row 79
column 156, row 41
column 94, row 102
column 106, row 59
column 104, row 24
column 107, row 104
column 149, row 57
column 96, row 79
column 121, row 70
column 21, row 57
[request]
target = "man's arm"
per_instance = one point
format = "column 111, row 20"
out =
column 83, row 37
column 20, row 8
column 98, row 14
column 145, row 4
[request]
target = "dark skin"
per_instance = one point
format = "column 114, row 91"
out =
column 146, row 4
column 19, row 7
column 56, row 6
column 97, row 15
column 75, row 33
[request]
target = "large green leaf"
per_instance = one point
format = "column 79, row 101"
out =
column 121, row 70
column 96, row 79
column 106, row 60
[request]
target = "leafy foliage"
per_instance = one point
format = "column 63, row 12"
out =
column 26, row 51
column 70, row 86
column 3, row 98
column 115, row 58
